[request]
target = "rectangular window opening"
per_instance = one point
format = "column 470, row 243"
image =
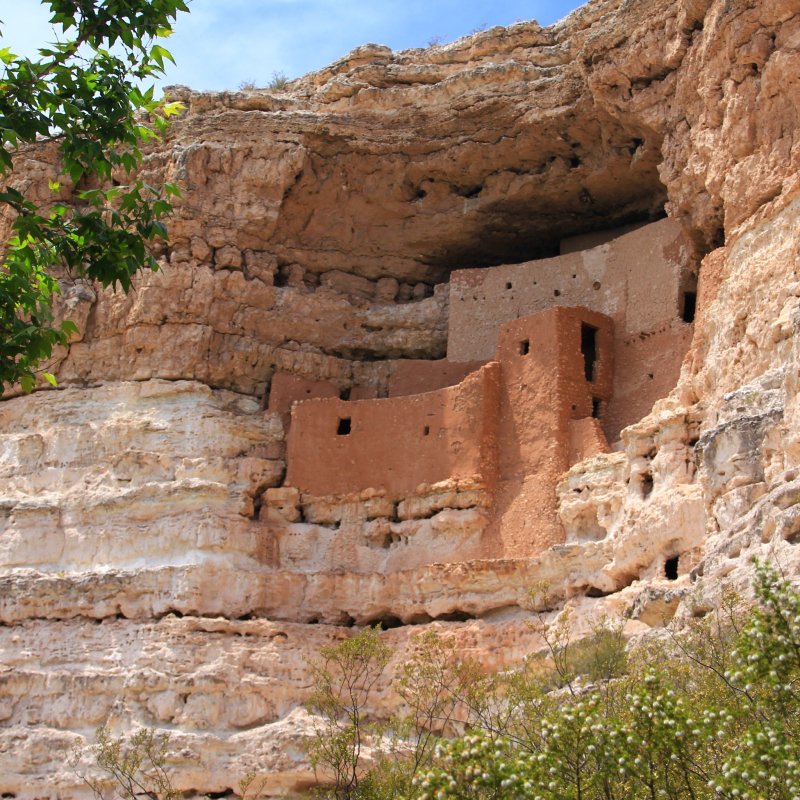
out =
column 265, row 396
column 671, row 568
column 426, row 430
column 589, row 350
column 344, row 394
column 597, row 408
column 344, row 426
column 689, row 306
column 524, row 347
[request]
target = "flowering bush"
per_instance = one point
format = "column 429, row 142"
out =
column 714, row 715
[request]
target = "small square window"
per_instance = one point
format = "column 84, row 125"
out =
column 344, row 426
column 524, row 347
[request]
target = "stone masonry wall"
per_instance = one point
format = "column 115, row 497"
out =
column 637, row 279
column 413, row 376
column 511, row 420
column 544, row 389
column 336, row 447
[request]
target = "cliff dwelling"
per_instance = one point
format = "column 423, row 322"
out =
column 546, row 362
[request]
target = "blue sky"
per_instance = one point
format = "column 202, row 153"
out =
column 223, row 43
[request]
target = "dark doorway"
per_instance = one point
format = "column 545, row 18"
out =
column 671, row 568
column 344, row 427
column 689, row 306
column 589, row 350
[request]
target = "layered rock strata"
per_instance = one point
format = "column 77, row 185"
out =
column 156, row 568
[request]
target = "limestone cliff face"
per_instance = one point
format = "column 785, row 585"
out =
column 157, row 567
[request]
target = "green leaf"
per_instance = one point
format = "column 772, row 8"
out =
column 157, row 54
column 50, row 378
column 83, row 92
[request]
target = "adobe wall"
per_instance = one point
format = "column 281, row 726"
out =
column 585, row 241
column 286, row 389
column 415, row 376
column 396, row 443
column 637, row 280
column 647, row 368
column 403, row 377
column 516, row 424
column 544, row 389
column 586, row 439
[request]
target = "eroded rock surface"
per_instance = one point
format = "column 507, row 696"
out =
column 156, row 569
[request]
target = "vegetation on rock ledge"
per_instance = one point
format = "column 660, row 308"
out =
column 711, row 711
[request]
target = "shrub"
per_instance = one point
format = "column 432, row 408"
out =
column 601, row 656
column 135, row 767
column 344, row 680
column 712, row 713
column 279, row 82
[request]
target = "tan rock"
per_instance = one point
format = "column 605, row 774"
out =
column 199, row 249
column 228, row 257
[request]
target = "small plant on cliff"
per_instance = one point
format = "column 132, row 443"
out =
column 134, row 768
column 279, row 82
column 598, row 658
column 83, row 96
column 344, row 679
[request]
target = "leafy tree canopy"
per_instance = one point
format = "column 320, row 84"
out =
column 83, row 94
